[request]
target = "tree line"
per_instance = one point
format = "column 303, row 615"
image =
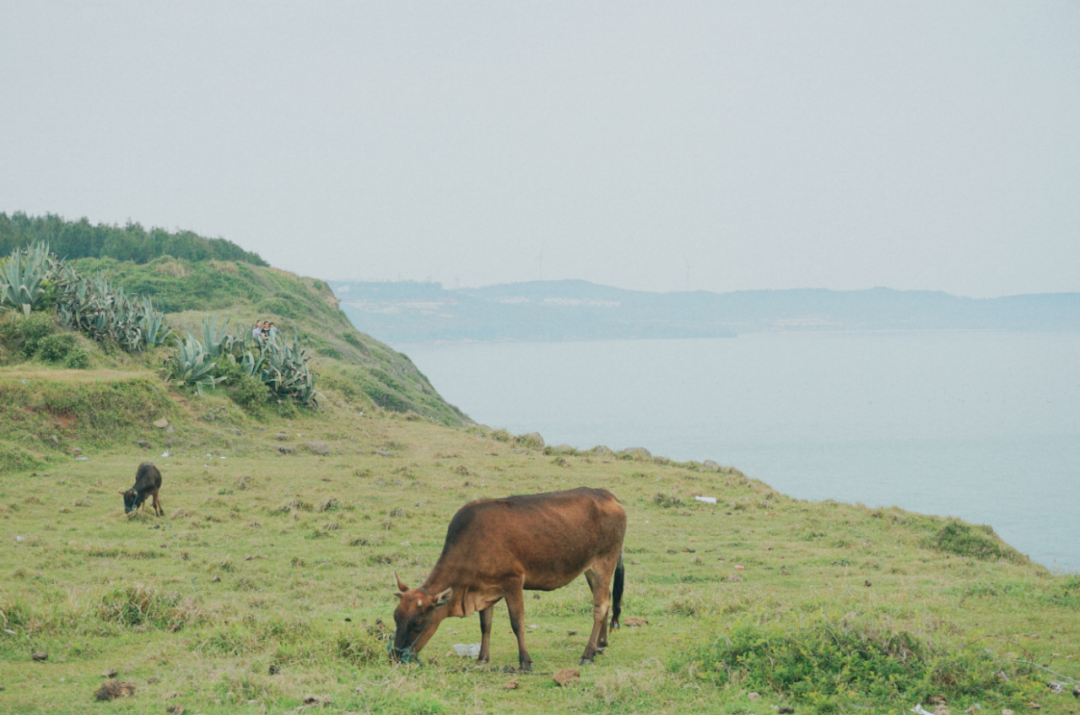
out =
column 81, row 239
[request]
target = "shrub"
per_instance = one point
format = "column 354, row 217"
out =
column 829, row 663
column 77, row 359
column 976, row 542
column 56, row 347
column 27, row 332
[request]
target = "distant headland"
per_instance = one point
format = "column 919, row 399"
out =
column 415, row 312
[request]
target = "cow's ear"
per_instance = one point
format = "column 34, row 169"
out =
column 444, row 598
column 400, row 584
column 123, row 493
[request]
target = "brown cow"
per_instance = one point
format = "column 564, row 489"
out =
column 147, row 483
column 496, row 548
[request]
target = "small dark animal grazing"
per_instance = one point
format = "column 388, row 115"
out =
column 496, row 548
column 147, row 483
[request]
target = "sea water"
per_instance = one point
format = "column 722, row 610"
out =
column 984, row 426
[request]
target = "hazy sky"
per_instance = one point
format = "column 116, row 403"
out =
column 655, row 146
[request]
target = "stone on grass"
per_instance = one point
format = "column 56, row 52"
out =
column 162, row 423
column 110, row 673
column 566, row 676
column 113, row 689
column 318, row 447
column 39, row 655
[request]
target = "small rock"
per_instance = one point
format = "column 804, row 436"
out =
column 317, row 700
column 285, row 449
column 39, row 655
column 170, row 695
column 281, row 436
column 710, row 464
column 113, row 689
column 512, row 684
column 571, row 633
column 1006, row 711
column 143, row 443
column 786, row 710
column 1034, row 705
column 162, row 423
column 383, row 453
column 318, row 447
column 566, row 676
column 175, row 710
column 275, row 669
column 151, row 681
column 940, row 710
column 110, row 673
column 753, row 697
column 75, row 451
column 633, row 622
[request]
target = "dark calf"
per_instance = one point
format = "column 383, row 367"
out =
column 147, row 483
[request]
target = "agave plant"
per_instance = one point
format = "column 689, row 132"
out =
column 286, row 371
column 23, row 276
column 152, row 323
column 190, row 366
column 216, row 343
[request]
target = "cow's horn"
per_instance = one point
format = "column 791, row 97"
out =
column 400, row 584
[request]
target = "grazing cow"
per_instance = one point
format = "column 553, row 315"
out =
column 147, row 483
column 496, row 548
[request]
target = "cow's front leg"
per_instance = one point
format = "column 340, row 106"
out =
column 486, row 616
column 515, row 603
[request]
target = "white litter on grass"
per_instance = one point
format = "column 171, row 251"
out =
column 165, row 453
column 20, row 538
column 9, row 631
column 707, row 500
column 82, row 459
column 467, row 650
column 918, row 710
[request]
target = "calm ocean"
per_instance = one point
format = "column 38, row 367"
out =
column 982, row 426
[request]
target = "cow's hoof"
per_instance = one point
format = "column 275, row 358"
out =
column 525, row 667
column 585, row 661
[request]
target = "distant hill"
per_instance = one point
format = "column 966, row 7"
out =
column 408, row 312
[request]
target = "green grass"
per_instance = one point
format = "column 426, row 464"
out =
column 269, row 582
column 263, row 555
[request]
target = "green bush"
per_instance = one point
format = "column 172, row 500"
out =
column 77, row 359
column 56, row 347
column 26, row 332
column 829, row 664
column 975, row 542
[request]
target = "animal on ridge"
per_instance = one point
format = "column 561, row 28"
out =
column 147, row 483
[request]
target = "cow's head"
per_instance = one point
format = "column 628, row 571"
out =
column 417, row 617
column 131, row 500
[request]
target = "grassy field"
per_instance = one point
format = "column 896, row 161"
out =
column 270, row 579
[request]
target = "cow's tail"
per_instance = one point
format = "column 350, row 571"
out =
column 616, row 593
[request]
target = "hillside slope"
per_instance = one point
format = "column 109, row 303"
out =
column 347, row 360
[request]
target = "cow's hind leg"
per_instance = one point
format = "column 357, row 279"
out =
column 515, row 603
column 598, row 583
column 486, row 616
column 158, row 509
